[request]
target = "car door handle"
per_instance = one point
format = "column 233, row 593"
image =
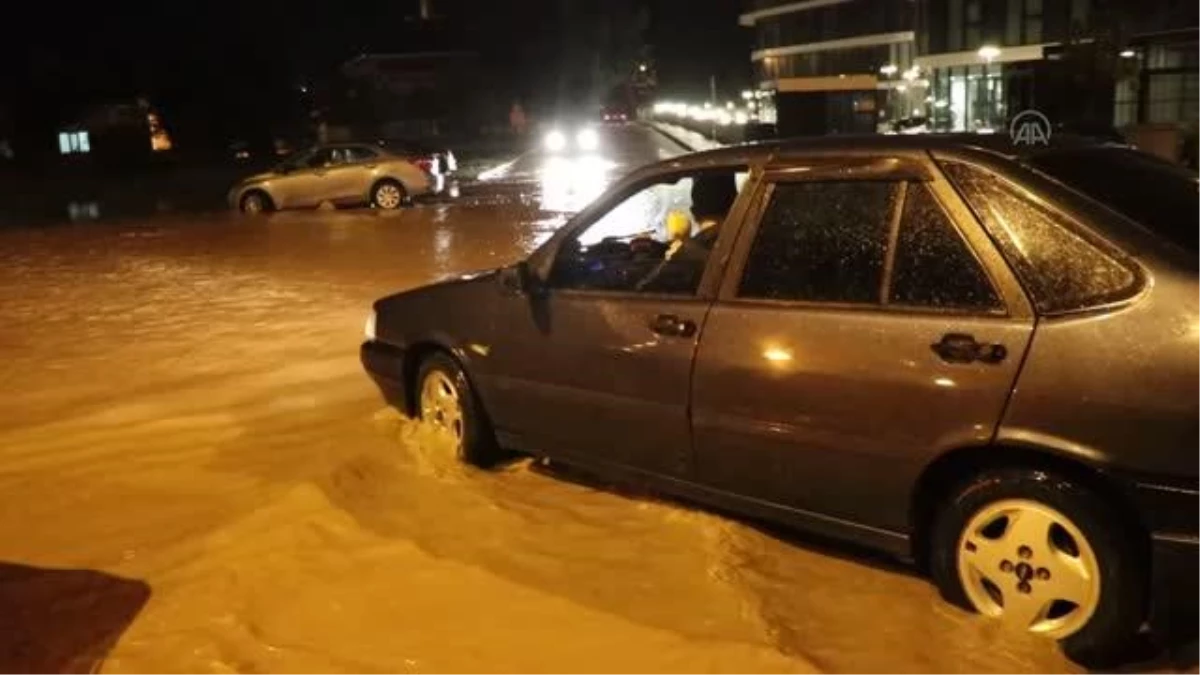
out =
column 672, row 326
column 963, row 348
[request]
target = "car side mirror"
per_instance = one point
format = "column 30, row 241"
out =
column 518, row 279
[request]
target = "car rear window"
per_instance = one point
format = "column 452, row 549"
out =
column 1060, row 268
column 1160, row 196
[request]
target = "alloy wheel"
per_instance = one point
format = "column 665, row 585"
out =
column 442, row 408
column 388, row 196
column 1029, row 566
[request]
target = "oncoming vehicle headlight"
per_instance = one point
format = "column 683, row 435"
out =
column 587, row 139
column 369, row 327
column 556, row 141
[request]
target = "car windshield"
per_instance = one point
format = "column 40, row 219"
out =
column 1160, row 196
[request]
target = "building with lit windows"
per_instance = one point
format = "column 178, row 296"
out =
column 835, row 66
column 832, row 66
column 1086, row 64
column 989, row 59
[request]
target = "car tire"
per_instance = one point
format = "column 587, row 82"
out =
column 1107, row 575
column 255, row 202
column 446, row 400
column 388, row 195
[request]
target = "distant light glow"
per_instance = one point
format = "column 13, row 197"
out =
column 889, row 70
column 777, row 354
column 1128, row 54
column 989, row 52
column 588, row 140
column 569, row 184
column 71, row 142
column 945, row 382
column 369, row 327
column 159, row 140
column 556, row 141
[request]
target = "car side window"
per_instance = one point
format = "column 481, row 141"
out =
column 822, row 242
column 933, row 267
column 1060, row 268
column 360, row 154
column 656, row 240
column 320, row 158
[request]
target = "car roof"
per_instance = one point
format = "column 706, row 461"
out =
column 348, row 144
column 776, row 150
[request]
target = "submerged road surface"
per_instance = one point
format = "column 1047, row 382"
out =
column 195, row 475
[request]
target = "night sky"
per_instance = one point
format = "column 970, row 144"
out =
column 229, row 65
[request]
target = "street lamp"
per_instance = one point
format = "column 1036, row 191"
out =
column 989, row 53
column 642, row 67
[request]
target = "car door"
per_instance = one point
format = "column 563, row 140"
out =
column 865, row 325
column 304, row 186
column 349, row 179
column 596, row 363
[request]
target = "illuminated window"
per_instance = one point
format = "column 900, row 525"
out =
column 72, row 142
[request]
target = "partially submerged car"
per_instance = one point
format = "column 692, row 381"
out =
column 344, row 174
column 976, row 356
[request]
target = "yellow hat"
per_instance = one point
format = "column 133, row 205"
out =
column 679, row 225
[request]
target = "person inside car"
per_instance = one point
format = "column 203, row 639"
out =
column 712, row 198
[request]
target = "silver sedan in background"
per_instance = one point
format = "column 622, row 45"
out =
column 345, row 174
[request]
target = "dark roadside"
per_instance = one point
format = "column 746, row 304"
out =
column 77, row 192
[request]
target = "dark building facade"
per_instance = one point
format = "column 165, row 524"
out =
column 408, row 95
column 833, row 66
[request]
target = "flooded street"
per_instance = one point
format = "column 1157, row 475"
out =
column 196, row 475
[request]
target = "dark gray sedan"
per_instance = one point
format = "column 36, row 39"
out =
column 982, row 359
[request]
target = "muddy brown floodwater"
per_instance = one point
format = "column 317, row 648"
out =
column 184, row 413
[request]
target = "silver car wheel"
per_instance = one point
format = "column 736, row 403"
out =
column 388, row 196
column 1019, row 559
column 442, row 408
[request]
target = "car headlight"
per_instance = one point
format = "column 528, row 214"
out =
column 556, row 141
column 369, row 328
column 587, row 139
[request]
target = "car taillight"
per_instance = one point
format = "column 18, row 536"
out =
column 427, row 164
